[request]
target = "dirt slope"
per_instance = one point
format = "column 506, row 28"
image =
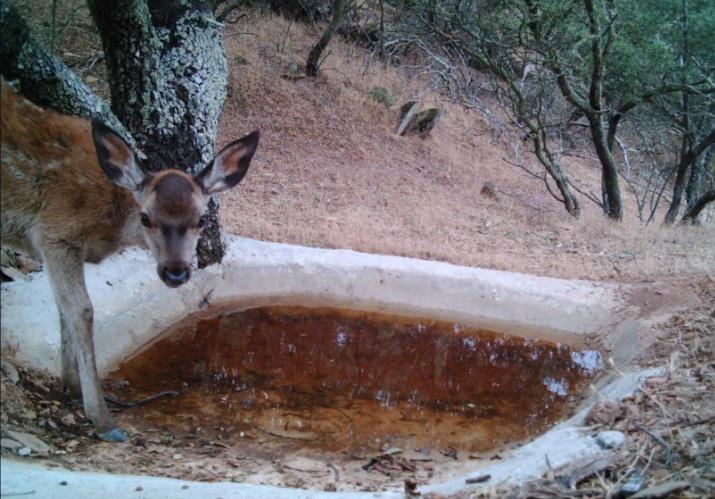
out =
column 330, row 172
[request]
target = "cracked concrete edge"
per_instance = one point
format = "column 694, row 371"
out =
column 567, row 442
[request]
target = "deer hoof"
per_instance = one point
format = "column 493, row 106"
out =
column 113, row 435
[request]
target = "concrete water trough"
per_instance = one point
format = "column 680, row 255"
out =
column 133, row 310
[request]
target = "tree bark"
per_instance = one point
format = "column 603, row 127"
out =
column 610, row 186
column 311, row 65
column 43, row 78
column 692, row 213
column 687, row 159
column 168, row 74
column 696, row 181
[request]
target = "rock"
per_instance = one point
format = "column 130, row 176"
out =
column 30, row 441
column 610, row 439
column 633, row 484
column 31, row 415
column 662, row 490
column 426, row 120
column 9, row 370
column 68, row 420
column 24, row 452
column 603, row 412
column 413, row 121
column 407, row 112
column 8, row 443
column 489, row 190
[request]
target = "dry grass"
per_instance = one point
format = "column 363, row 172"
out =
column 670, row 424
column 330, row 172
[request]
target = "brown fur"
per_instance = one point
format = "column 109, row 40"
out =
column 175, row 191
column 52, row 186
column 59, row 204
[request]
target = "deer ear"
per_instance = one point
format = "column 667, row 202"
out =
column 229, row 166
column 116, row 157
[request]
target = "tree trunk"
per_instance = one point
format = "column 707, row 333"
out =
column 689, row 156
column 611, row 190
column 43, row 78
column 553, row 168
column 678, row 189
column 168, row 73
column 311, row 65
column 692, row 213
column 696, row 181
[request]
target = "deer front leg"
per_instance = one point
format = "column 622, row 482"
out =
column 66, row 270
column 70, row 372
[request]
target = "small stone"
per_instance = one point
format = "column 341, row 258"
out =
column 178, row 456
column 633, row 484
column 489, row 190
column 29, row 415
column 30, row 441
column 68, row 420
column 603, row 412
column 610, row 439
column 10, row 371
column 8, row 443
column 25, row 451
column 63, row 482
column 139, row 488
column 184, row 487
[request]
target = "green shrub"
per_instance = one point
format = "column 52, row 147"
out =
column 382, row 95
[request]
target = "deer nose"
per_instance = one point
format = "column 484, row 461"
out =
column 175, row 275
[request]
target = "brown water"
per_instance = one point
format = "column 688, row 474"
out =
column 340, row 380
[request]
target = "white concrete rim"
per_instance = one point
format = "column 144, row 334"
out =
column 128, row 297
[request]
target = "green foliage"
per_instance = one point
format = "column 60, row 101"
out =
column 647, row 63
column 383, row 96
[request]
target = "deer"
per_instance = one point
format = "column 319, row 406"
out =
column 73, row 191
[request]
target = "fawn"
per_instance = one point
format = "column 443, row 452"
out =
column 73, row 192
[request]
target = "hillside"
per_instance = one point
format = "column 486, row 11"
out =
column 330, row 172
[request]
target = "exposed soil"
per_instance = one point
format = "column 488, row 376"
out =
column 330, row 172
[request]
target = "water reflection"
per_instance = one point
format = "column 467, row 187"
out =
column 338, row 379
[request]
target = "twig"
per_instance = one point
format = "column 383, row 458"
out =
column 205, row 300
column 144, row 401
column 669, row 450
column 478, row 479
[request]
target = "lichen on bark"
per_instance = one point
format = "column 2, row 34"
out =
column 168, row 74
column 43, row 78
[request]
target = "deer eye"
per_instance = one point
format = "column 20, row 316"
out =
column 145, row 220
column 202, row 221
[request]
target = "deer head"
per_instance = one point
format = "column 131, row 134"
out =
column 172, row 204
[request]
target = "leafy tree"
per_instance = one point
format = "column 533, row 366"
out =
column 608, row 59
